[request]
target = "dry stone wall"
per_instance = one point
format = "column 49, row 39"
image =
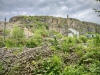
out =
column 10, row 59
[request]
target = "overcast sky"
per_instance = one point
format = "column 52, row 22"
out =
column 79, row 9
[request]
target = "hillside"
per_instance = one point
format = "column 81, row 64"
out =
column 39, row 45
column 56, row 24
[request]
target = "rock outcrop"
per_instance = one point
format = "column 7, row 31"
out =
column 61, row 24
column 57, row 24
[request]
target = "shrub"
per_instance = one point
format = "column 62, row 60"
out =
column 83, row 39
column 51, row 66
column 30, row 43
column 64, row 46
column 71, row 40
column 78, row 40
column 34, row 41
column 11, row 42
column 90, row 42
column 59, row 36
column 96, row 40
column 90, row 61
column 17, row 32
column 79, row 49
column 55, row 44
column 41, row 31
column 7, row 32
column 73, row 70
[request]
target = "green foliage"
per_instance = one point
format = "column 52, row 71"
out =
column 65, row 46
column 1, row 68
column 96, row 40
column 30, row 43
column 90, row 42
column 90, row 61
column 87, row 60
column 83, row 39
column 17, row 38
column 78, row 41
column 80, row 51
column 1, row 41
column 17, row 32
column 54, row 44
column 73, row 70
column 52, row 66
column 11, row 42
column 34, row 41
column 59, row 35
column 14, row 69
column 56, row 60
column 41, row 31
column 55, row 41
column 7, row 32
column 71, row 40
column 53, row 48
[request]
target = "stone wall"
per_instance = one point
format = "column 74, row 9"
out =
column 10, row 59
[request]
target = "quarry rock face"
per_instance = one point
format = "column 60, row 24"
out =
column 59, row 24
column 15, row 19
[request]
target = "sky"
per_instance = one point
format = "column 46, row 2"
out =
column 79, row 9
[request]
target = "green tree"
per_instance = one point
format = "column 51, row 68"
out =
column 17, row 37
column 96, row 9
column 17, row 32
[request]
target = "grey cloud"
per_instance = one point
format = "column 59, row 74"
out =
column 79, row 9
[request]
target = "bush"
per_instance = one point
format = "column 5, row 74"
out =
column 7, row 32
column 34, row 41
column 11, row 42
column 17, row 32
column 96, row 40
column 73, row 70
column 71, row 40
column 41, row 31
column 30, row 43
column 80, row 51
column 90, row 61
column 59, row 36
column 54, row 44
column 51, row 66
column 64, row 46
column 83, row 39
column 90, row 42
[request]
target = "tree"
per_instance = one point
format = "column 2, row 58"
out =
column 97, row 10
column 17, row 32
column 97, row 0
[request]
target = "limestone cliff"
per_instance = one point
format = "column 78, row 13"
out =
column 59, row 24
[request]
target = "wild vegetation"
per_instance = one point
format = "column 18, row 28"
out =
column 71, row 55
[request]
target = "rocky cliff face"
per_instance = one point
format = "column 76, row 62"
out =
column 59, row 24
